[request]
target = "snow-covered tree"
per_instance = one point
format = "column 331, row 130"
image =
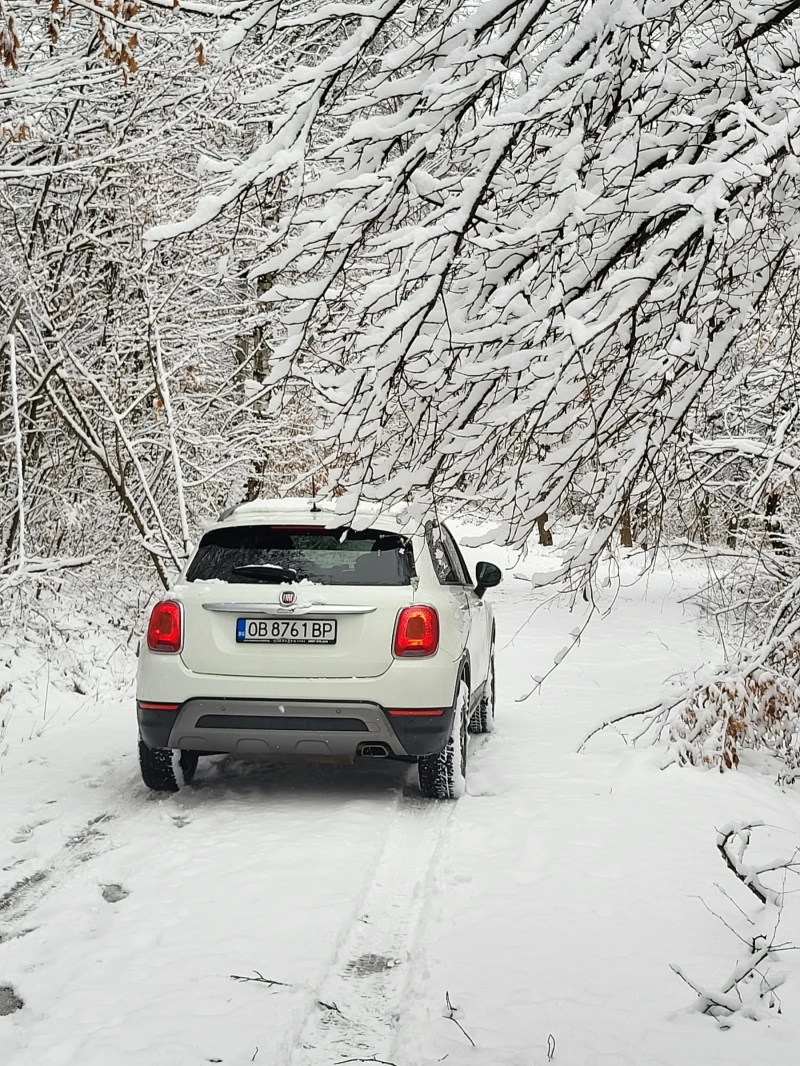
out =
column 124, row 393
column 518, row 239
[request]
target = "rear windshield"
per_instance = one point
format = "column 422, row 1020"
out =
column 281, row 554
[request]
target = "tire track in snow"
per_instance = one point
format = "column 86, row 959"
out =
column 25, row 895
column 84, row 843
column 360, row 998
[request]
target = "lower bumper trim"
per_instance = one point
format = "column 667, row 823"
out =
column 257, row 726
column 280, row 723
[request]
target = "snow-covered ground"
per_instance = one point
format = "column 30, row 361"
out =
column 546, row 905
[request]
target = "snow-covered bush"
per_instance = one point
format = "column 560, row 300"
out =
column 759, row 711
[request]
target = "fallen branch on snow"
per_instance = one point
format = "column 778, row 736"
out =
column 328, row 1006
column 451, row 1014
column 749, row 875
column 259, row 979
column 747, row 975
column 728, row 999
column 382, row 1062
column 658, row 714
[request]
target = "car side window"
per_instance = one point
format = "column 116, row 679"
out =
column 454, row 552
column 446, row 572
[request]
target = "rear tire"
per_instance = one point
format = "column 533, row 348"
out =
column 443, row 774
column 165, row 770
column 482, row 720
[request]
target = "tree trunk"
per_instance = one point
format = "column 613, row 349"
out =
column 545, row 535
column 625, row 530
column 640, row 522
column 732, row 539
column 704, row 520
column 773, row 524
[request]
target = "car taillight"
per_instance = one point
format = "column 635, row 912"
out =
column 417, row 632
column 165, row 628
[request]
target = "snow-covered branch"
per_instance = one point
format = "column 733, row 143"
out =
column 517, row 242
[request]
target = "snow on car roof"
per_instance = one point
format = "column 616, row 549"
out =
column 397, row 517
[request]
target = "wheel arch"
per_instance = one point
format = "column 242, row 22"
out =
column 464, row 673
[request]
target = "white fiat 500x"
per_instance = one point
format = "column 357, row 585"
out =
column 290, row 635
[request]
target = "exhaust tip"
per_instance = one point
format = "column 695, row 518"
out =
column 374, row 751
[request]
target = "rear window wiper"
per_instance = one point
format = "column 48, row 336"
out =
column 266, row 572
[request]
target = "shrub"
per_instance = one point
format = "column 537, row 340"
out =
column 758, row 711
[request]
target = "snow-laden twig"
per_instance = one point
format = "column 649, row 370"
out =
column 656, row 714
column 11, row 344
column 559, row 657
column 40, row 568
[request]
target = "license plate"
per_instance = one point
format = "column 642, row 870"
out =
column 285, row 631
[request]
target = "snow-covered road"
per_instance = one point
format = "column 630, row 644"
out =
column 547, row 904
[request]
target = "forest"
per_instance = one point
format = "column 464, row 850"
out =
column 532, row 266
column 529, row 261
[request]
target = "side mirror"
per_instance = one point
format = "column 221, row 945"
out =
column 487, row 575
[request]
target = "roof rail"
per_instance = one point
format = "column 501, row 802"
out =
column 228, row 512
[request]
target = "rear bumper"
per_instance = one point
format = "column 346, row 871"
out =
column 254, row 727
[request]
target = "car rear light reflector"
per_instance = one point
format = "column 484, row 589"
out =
column 146, row 705
column 165, row 629
column 397, row 713
column 417, row 632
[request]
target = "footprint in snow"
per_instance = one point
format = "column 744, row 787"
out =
column 114, row 893
column 26, row 832
column 9, row 1001
column 88, row 833
column 366, row 965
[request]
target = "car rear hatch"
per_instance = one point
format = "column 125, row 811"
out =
column 294, row 601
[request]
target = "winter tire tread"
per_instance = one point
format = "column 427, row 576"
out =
column 439, row 776
column 158, row 766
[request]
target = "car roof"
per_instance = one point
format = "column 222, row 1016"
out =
column 397, row 518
